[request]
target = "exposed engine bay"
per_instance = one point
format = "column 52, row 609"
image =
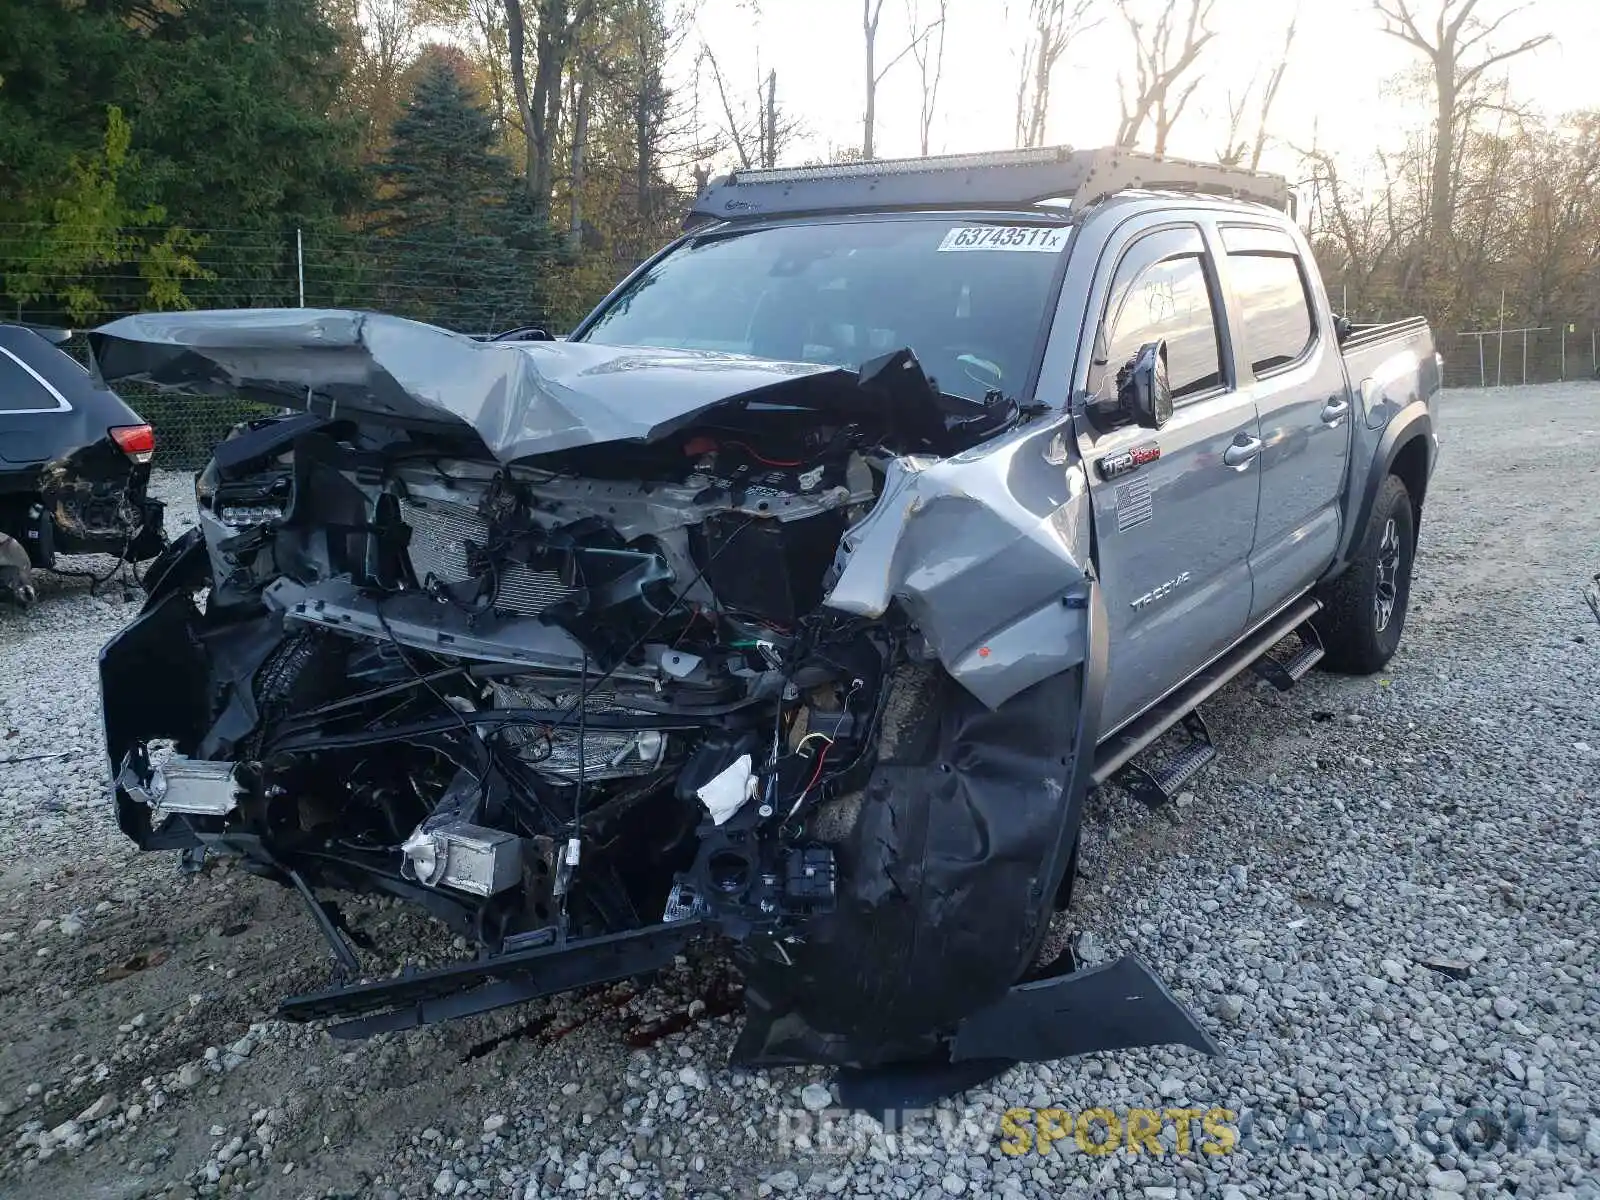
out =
column 586, row 705
column 622, row 680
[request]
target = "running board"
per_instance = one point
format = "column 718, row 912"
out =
column 1284, row 673
column 1121, row 747
column 1158, row 788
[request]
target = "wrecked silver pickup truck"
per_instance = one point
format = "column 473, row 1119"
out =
column 797, row 599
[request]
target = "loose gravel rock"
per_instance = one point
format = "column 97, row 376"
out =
column 1380, row 899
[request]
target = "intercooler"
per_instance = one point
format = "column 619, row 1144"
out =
column 439, row 536
column 607, row 753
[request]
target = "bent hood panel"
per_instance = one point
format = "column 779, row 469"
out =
column 521, row 398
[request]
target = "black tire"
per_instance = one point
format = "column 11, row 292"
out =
column 1364, row 610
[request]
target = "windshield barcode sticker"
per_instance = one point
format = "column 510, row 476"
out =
column 1035, row 238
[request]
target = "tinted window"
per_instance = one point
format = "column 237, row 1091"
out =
column 20, row 390
column 968, row 298
column 1170, row 301
column 1277, row 314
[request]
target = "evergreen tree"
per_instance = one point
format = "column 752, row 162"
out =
column 458, row 250
column 228, row 102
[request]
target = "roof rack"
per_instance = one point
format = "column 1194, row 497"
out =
column 1006, row 179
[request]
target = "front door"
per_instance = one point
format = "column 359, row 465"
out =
column 1174, row 508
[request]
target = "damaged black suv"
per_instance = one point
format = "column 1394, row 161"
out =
column 765, row 607
column 74, row 464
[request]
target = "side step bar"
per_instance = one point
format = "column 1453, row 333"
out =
column 1157, row 788
column 1284, row 673
column 1120, row 748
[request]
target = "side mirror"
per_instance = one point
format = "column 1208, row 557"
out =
column 1143, row 391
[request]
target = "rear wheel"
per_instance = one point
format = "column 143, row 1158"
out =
column 1364, row 610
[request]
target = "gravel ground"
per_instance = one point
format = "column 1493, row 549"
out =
column 1381, row 899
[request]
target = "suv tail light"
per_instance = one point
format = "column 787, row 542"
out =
column 138, row 442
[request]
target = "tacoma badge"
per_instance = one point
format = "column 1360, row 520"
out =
column 1157, row 593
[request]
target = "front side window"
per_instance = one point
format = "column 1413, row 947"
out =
column 1275, row 307
column 969, row 298
column 1169, row 301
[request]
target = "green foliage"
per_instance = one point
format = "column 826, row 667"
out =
column 229, row 105
column 90, row 228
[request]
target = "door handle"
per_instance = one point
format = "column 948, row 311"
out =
column 1243, row 452
column 1335, row 410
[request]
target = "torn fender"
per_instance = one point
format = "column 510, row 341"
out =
column 987, row 551
column 947, row 877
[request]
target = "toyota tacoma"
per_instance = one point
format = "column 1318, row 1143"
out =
column 796, row 599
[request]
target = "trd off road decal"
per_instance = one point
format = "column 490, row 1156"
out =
column 1124, row 461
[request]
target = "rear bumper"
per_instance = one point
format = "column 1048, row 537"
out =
column 83, row 521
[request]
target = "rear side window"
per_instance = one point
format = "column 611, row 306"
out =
column 1170, row 301
column 23, row 390
column 1278, row 329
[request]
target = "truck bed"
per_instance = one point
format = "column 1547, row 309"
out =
column 1363, row 338
column 1395, row 359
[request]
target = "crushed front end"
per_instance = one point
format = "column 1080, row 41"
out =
column 777, row 673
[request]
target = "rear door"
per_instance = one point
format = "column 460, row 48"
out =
column 1175, row 508
column 1290, row 365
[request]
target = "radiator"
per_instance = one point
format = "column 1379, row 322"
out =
column 439, row 536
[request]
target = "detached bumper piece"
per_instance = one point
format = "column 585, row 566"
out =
column 1119, row 1006
column 467, row 989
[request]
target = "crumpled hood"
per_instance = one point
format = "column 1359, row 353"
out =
column 521, row 398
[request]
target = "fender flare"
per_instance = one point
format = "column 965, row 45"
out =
column 1411, row 422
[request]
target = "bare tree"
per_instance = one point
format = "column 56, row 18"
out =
column 657, row 37
column 1356, row 239
column 560, row 22
column 736, row 124
column 871, row 11
column 382, row 37
column 758, row 139
column 1160, row 93
column 929, row 54
column 1459, row 49
column 1240, row 152
column 769, row 123
column 488, row 20
column 1053, row 24
column 579, row 147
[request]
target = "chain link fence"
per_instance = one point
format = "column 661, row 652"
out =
column 1503, row 357
column 476, row 286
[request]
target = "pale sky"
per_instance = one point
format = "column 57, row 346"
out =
column 1340, row 68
